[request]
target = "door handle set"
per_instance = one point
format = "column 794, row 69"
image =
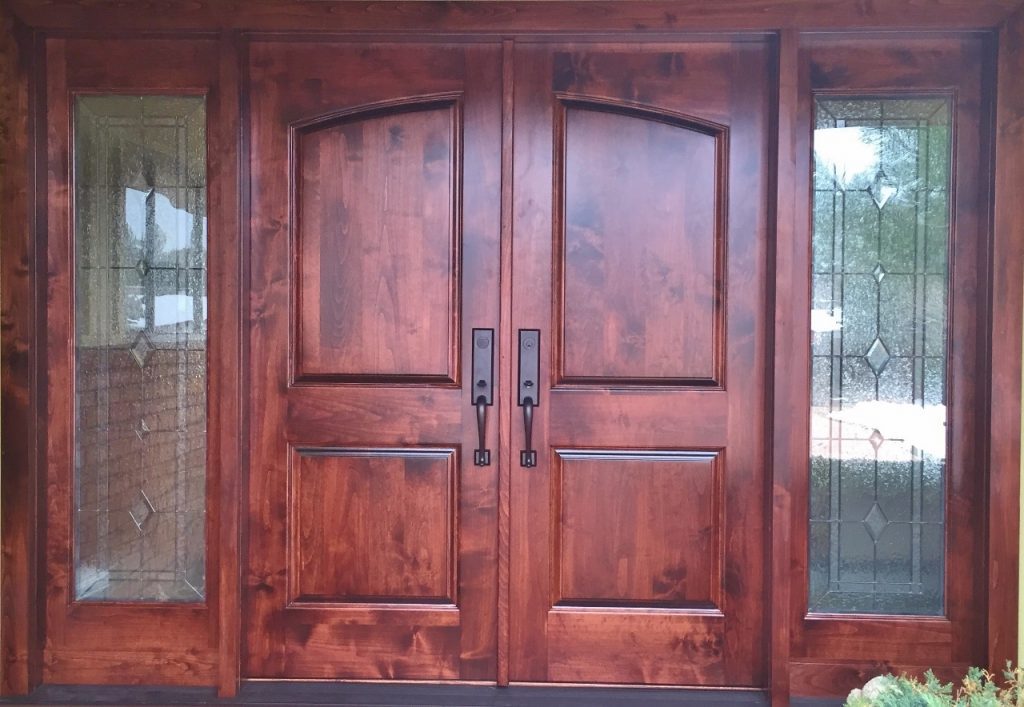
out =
column 529, row 389
column 483, row 390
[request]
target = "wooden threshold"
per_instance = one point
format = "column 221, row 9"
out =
column 260, row 692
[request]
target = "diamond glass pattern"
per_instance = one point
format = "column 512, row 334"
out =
column 875, row 522
column 140, row 348
column 878, row 415
column 878, row 357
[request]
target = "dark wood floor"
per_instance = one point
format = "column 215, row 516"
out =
column 352, row 694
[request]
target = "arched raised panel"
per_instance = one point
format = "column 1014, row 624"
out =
column 641, row 252
column 377, row 245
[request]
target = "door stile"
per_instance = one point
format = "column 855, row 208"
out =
column 505, row 359
column 788, row 256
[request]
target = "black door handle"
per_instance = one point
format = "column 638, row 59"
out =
column 528, row 456
column 529, row 390
column 483, row 390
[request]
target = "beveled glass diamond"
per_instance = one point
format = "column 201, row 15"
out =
column 883, row 189
column 877, row 357
column 876, row 439
column 879, row 273
column 142, row 429
column 142, row 510
column 142, row 267
column 141, row 348
column 875, row 522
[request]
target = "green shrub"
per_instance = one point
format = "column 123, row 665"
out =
column 979, row 688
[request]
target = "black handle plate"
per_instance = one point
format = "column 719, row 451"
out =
column 483, row 389
column 529, row 389
column 529, row 366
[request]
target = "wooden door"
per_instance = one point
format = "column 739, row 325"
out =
column 638, row 540
column 374, row 239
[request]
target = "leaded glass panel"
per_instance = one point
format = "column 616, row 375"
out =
column 140, row 348
column 878, row 350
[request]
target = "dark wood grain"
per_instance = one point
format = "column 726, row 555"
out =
column 1004, row 451
column 899, row 639
column 597, row 523
column 869, row 67
column 395, row 256
column 371, row 525
column 228, row 400
column 20, row 627
column 606, row 15
column 790, row 339
column 377, row 241
column 825, row 679
column 641, row 251
column 505, row 357
column 637, row 529
column 643, row 649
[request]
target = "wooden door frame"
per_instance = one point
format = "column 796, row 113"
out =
column 26, row 24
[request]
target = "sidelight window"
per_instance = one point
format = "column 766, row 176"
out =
column 881, row 229
column 140, row 348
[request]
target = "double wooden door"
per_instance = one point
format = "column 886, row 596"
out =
column 586, row 223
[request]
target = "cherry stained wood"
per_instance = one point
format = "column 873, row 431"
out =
column 175, row 644
column 371, row 526
column 829, row 679
column 639, row 19
column 640, row 529
column 413, row 513
column 1003, row 408
column 505, row 357
column 606, row 15
column 916, row 67
column 707, row 636
column 226, row 405
column 642, row 251
column 791, row 259
column 376, row 221
column 20, row 333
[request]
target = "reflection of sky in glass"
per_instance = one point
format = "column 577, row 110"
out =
column 176, row 227
column 173, row 309
column 905, row 426
column 852, row 156
column 848, row 153
column 176, row 224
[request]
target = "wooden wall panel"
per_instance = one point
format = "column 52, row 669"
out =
column 638, row 529
column 604, row 15
column 372, row 525
column 694, row 642
column 642, row 245
column 20, row 464
column 1004, row 411
column 376, row 202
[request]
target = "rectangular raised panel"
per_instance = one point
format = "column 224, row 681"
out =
column 375, row 199
column 372, row 525
column 638, row 529
column 640, row 263
column 649, row 648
